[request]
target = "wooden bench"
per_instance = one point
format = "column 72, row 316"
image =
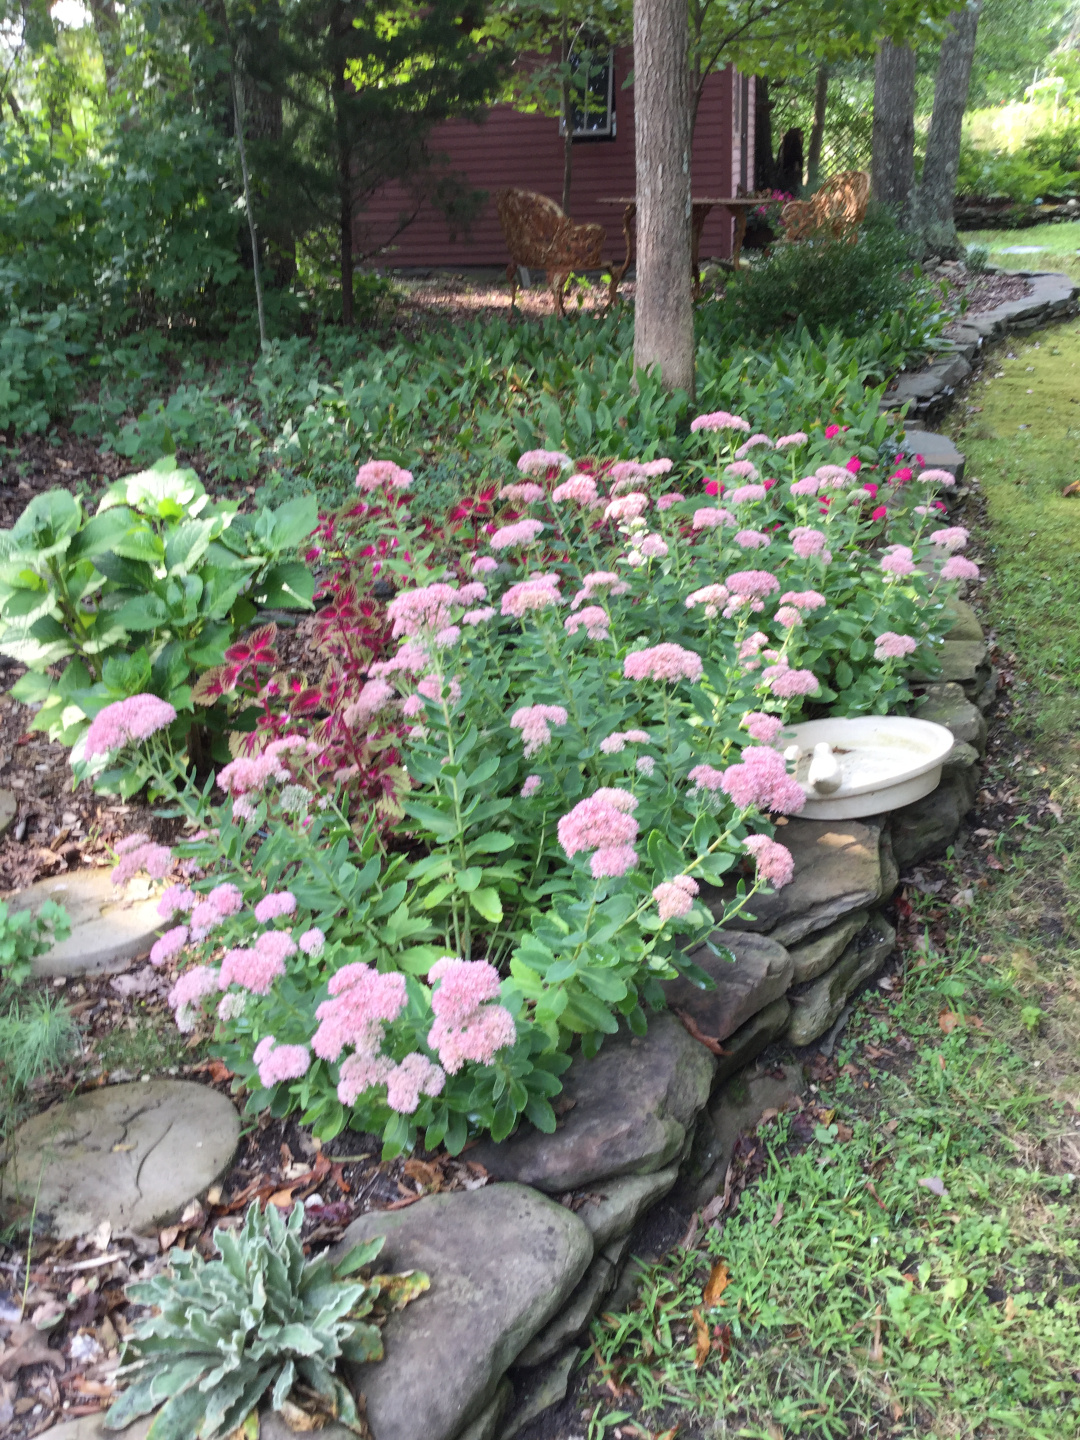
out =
column 837, row 210
column 541, row 236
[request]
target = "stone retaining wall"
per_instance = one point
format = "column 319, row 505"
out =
column 1053, row 297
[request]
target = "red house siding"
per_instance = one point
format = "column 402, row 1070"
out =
column 511, row 148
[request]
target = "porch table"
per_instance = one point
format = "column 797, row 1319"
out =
column 736, row 205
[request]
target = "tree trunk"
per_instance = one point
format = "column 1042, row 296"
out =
column 817, row 132
column 937, row 191
column 663, row 309
column 764, row 164
column 894, row 127
column 568, row 122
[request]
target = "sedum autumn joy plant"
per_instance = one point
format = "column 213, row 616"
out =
column 590, row 706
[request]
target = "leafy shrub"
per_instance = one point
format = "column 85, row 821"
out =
column 1022, row 175
column 829, row 283
column 37, row 1033
column 24, row 934
column 572, row 783
column 263, row 1318
column 135, row 598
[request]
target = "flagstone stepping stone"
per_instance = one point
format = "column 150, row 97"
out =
column 815, row 1006
column 757, row 972
column 110, row 925
column 840, row 866
column 130, row 1154
column 750, row 1039
column 502, row 1261
column 817, row 952
column 626, row 1112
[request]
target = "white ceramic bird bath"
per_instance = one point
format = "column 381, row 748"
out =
column 865, row 765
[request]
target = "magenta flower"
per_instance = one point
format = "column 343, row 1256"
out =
column 666, row 662
column 276, row 1062
column 278, row 902
column 511, row 537
column 890, row 646
column 533, row 722
column 831, row 431
column 775, row 864
column 675, row 897
column 127, row 722
column 377, row 473
column 854, row 465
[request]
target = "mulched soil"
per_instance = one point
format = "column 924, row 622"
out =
column 986, row 292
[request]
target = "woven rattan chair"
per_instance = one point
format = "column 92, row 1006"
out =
column 541, row 236
column 838, row 209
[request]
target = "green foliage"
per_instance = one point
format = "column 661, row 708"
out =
column 1022, row 175
column 263, row 1318
column 828, row 283
column 26, row 933
column 37, row 1033
column 142, row 594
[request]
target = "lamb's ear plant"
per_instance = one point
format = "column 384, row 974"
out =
column 262, row 1320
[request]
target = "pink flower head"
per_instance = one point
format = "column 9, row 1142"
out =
column 533, row 722
column 761, row 779
column 672, row 497
column 627, row 507
column 753, row 583
column 448, row 635
column 377, row 473
column 312, row 941
column 709, row 517
column 707, row 777
column 425, row 609
column 712, row 487
column 954, row 537
column 478, row 617
column 937, row 477
column 527, row 493
column 595, row 620
column 251, row 970
column 788, row 617
column 746, row 494
column 854, row 465
column 278, row 902
column 467, row 1026
column 156, row 860
column 834, row 477
column 831, row 431
column 742, row 470
column 719, row 420
column 464, row 985
column 539, row 462
column 249, row 774
column 807, row 542
column 675, row 897
column 653, row 547
column 594, row 823
column 536, row 593
column 890, row 646
column 581, row 489
column 775, row 864
column 751, row 444
column 651, row 468
column 127, row 722
column 276, row 1062
column 611, row 862
column 808, row 485
column 898, row 560
column 785, row 683
column 602, row 583
column 712, row 597
column 360, row 1072
column 666, row 662
column 511, row 537
column 176, row 897
column 751, row 539
column 531, row 786
column 191, row 987
column 415, row 1076
column 616, row 742
column 170, row 944
column 361, row 1002
column 803, row 599
column 374, row 696
column 879, row 513
column 959, row 567
column 751, row 646
column 762, row 726
column 484, row 564
column 871, row 489
column 796, row 438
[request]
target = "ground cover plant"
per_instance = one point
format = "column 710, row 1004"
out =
column 589, row 670
column 904, row 1257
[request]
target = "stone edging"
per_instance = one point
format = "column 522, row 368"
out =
column 1054, row 297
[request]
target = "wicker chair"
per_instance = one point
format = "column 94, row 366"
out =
column 838, row 209
column 541, row 236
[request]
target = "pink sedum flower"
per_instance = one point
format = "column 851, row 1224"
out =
column 603, row 583
column 719, row 420
column 712, row 597
column 747, row 494
column 762, row 726
column 788, row 617
column 753, row 583
column 374, row 696
column 537, row 593
column 580, row 489
column 312, row 941
column 484, row 564
column 710, row 516
column 467, row 1025
column 786, row 683
column 127, row 722
column 360, row 1072
column 480, row 616
column 188, row 990
column 672, row 497
column 741, row 470
column 653, row 547
column 937, row 477
column 539, row 462
column 416, row 1075
column 533, row 721
column 803, row 599
column 952, row 538
column 252, row 970
column 707, row 777
column 751, row 540
column 278, row 902
column 675, row 898
column 594, row 618
column 665, row 662
column 611, row 862
column 627, row 507
column 531, row 786
column 527, row 493
column 808, row 485
column 890, row 646
column 807, row 542
column 276, row 1062
column 377, row 473
column 514, row 537
column 596, row 822
column 361, row 1002
column 775, row 864
column 176, row 897
column 754, row 442
column 959, row 567
column 761, row 780
column 797, row 437
column 169, row 944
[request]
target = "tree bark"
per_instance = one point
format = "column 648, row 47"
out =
column 764, row 165
column 817, row 131
column 937, row 191
column 663, row 309
column 893, row 141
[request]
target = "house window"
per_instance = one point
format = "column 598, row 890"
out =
column 592, row 92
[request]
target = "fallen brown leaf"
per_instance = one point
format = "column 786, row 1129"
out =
column 28, row 1346
column 1072, row 489
column 696, row 1033
column 947, row 1021
column 702, row 1340
column 778, row 1213
column 718, row 1281
column 877, row 1353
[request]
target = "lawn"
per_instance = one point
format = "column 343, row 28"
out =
column 1041, row 247
column 908, row 1262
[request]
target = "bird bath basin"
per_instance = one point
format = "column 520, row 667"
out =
column 865, row 765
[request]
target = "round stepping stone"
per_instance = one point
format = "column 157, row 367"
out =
column 110, row 924
column 130, row 1154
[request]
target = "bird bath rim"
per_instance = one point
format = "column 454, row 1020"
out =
column 920, row 747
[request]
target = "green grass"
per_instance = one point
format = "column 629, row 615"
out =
column 1060, row 246
column 901, row 1312
column 152, row 1047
